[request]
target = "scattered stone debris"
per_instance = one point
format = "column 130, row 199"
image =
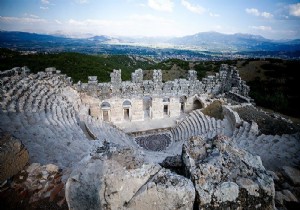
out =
column 35, row 185
column 225, row 176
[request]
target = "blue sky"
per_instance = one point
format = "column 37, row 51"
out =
column 275, row 19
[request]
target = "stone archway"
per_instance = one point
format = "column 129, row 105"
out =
column 182, row 101
column 105, row 107
column 166, row 103
column 126, row 109
column 147, row 104
column 197, row 104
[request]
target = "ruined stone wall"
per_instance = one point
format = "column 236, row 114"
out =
column 226, row 80
column 165, row 97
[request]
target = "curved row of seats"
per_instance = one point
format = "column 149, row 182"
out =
column 196, row 123
column 104, row 131
column 34, row 110
column 29, row 92
column 274, row 150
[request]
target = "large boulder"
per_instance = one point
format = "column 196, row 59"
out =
column 13, row 156
column 118, row 178
column 226, row 177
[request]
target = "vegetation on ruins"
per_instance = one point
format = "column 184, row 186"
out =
column 273, row 82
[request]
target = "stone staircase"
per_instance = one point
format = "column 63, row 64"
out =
column 196, row 123
column 274, row 150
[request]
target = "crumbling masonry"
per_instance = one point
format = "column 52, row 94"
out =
column 139, row 99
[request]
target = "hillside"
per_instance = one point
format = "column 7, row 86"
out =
column 273, row 82
column 76, row 65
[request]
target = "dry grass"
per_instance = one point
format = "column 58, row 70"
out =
column 251, row 70
column 214, row 110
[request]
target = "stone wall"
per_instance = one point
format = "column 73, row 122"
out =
column 154, row 98
column 226, row 80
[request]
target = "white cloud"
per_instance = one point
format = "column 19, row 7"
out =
column 58, row 22
column 44, row 8
column 193, row 8
column 161, row 5
column 133, row 25
column 262, row 28
column 91, row 22
column 146, row 19
column 45, row 2
column 21, row 20
column 266, row 14
column 31, row 15
column 83, row 1
column 256, row 12
column 213, row 15
column 253, row 11
column 295, row 9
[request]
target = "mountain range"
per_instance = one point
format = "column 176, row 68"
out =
column 205, row 41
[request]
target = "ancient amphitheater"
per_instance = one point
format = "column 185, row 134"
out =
column 148, row 144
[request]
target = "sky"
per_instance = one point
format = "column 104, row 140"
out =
column 273, row 19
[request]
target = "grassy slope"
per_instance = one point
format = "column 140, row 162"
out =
column 273, row 83
column 78, row 66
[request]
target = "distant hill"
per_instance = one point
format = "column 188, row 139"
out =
column 16, row 37
column 237, row 42
column 150, row 46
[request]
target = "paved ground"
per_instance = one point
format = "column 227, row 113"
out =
column 158, row 142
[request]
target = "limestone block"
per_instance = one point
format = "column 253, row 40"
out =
column 13, row 156
column 118, row 178
column 225, row 176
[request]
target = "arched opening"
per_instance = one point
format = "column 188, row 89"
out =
column 90, row 112
column 197, row 104
column 105, row 107
column 166, row 99
column 126, row 109
column 166, row 109
column 182, row 101
column 147, row 104
column 166, row 102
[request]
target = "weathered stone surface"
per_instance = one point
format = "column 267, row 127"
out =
column 56, row 121
column 37, row 183
column 119, row 179
column 165, row 191
column 172, row 162
column 13, row 156
column 292, row 174
column 225, row 176
column 284, row 196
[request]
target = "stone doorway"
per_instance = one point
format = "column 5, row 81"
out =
column 147, row 104
column 126, row 114
column 126, row 110
column 197, row 104
column 182, row 103
column 105, row 116
column 105, row 107
column 166, row 109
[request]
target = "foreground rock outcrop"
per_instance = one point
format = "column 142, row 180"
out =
column 13, row 156
column 118, row 178
column 222, row 176
column 227, row 177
